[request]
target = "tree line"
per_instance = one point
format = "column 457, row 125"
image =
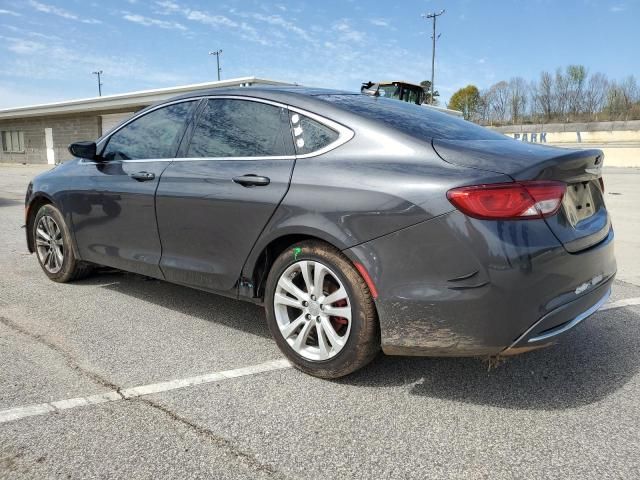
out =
column 570, row 94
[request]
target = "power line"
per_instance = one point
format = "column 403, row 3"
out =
column 433, row 16
column 98, row 73
column 217, row 53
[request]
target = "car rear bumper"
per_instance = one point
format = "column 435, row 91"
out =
column 455, row 286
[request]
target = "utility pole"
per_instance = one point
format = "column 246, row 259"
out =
column 434, row 16
column 217, row 54
column 98, row 73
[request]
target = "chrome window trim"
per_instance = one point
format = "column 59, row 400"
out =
column 344, row 133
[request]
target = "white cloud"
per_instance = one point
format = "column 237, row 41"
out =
column 242, row 28
column 347, row 33
column 56, row 59
column 618, row 8
column 9, row 12
column 152, row 22
column 208, row 19
column 167, row 7
column 379, row 22
column 53, row 10
column 22, row 46
column 278, row 21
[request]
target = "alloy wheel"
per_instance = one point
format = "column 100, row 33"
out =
column 49, row 244
column 313, row 310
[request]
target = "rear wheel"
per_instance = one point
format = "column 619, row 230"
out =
column 52, row 243
column 320, row 311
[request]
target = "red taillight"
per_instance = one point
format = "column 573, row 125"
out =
column 509, row 201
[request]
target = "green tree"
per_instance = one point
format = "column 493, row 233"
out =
column 426, row 86
column 466, row 100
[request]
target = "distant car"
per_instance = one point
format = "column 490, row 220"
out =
column 360, row 223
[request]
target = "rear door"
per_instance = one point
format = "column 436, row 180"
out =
column 214, row 201
column 113, row 208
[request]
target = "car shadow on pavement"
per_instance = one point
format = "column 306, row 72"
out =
column 587, row 365
column 225, row 311
column 10, row 202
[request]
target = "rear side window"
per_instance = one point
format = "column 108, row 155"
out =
column 154, row 135
column 415, row 120
column 240, row 128
column 309, row 135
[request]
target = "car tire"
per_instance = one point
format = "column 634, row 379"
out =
column 316, row 342
column 53, row 246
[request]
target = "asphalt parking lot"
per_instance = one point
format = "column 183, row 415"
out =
column 168, row 382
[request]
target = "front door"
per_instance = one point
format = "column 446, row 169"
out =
column 114, row 213
column 213, row 204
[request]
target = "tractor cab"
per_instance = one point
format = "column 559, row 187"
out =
column 403, row 91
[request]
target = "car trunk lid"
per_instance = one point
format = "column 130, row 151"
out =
column 583, row 220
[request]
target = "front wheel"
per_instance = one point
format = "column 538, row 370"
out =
column 320, row 311
column 52, row 243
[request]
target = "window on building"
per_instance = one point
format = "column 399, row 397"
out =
column 155, row 135
column 12, row 141
column 311, row 136
column 240, row 128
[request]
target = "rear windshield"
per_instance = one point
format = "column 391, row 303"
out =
column 416, row 120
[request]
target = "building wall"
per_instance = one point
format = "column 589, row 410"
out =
column 66, row 129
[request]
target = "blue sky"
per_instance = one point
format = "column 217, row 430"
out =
column 48, row 48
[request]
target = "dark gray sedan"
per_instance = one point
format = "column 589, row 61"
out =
column 361, row 223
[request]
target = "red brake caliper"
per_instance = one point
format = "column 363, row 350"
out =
column 339, row 322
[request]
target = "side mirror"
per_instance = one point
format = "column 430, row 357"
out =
column 83, row 150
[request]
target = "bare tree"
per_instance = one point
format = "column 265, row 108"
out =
column 542, row 96
column 615, row 102
column 517, row 99
column 561, row 95
column 571, row 94
column 576, row 77
column 630, row 95
column 595, row 94
column 485, row 105
column 500, row 101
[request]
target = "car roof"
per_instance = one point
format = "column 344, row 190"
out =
column 274, row 92
column 307, row 98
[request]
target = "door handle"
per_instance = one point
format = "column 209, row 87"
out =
column 143, row 176
column 252, row 181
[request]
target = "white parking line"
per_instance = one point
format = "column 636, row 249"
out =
column 132, row 392
column 17, row 413
column 627, row 302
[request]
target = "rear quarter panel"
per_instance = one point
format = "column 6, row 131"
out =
column 379, row 182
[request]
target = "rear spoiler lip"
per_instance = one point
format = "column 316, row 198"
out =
column 529, row 162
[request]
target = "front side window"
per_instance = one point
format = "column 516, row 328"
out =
column 12, row 141
column 155, row 135
column 389, row 91
column 309, row 135
column 239, row 128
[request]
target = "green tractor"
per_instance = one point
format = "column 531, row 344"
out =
column 403, row 91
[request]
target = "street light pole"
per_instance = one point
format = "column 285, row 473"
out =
column 217, row 54
column 98, row 73
column 433, row 16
